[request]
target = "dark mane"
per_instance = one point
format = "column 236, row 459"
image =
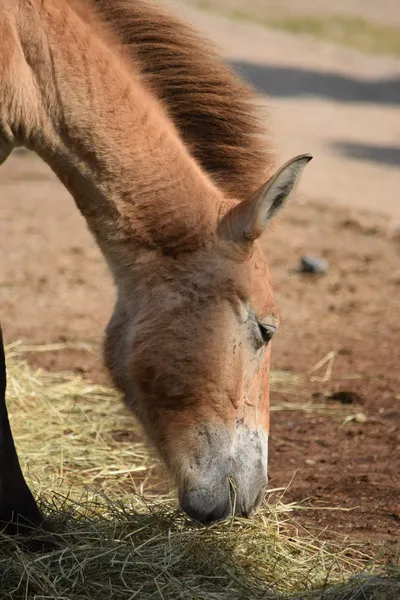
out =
column 214, row 111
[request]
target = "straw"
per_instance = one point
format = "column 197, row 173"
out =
column 118, row 533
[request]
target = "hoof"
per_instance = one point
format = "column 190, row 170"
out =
column 29, row 528
column 19, row 514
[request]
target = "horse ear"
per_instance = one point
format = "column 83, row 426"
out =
column 248, row 219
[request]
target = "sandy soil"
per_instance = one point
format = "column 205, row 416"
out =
column 54, row 285
column 338, row 104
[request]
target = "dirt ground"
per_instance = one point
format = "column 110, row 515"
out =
column 386, row 12
column 54, row 286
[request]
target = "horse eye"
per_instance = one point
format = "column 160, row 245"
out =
column 267, row 331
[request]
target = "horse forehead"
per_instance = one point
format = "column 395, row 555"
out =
column 256, row 281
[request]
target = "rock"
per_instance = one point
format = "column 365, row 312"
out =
column 360, row 418
column 313, row 265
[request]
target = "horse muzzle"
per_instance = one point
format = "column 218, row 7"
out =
column 227, row 483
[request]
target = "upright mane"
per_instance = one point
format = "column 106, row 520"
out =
column 214, row 111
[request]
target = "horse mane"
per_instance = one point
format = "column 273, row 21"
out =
column 213, row 110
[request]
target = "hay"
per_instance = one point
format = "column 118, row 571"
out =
column 117, row 537
column 69, row 431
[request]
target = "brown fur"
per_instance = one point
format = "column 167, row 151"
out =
column 184, row 344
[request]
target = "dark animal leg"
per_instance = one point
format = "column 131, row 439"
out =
column 19, row 512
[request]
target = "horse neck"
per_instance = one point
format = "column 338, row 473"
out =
column 73, row 100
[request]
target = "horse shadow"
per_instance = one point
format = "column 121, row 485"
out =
column 389, row 155
column 291, row 82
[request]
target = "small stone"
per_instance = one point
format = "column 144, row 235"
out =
column 360, row 418
column 310, row 461
column 310, row 264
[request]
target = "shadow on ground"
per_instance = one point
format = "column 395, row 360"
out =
column 293, row 82
column 389, row 155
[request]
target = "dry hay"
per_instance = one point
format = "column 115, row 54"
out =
column 120, row 536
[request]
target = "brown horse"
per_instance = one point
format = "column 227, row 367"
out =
column 161, row 148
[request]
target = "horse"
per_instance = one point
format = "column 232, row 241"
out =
column 164, row 153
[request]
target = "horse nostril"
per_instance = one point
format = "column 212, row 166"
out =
column 204, row 509
column 219, row 513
